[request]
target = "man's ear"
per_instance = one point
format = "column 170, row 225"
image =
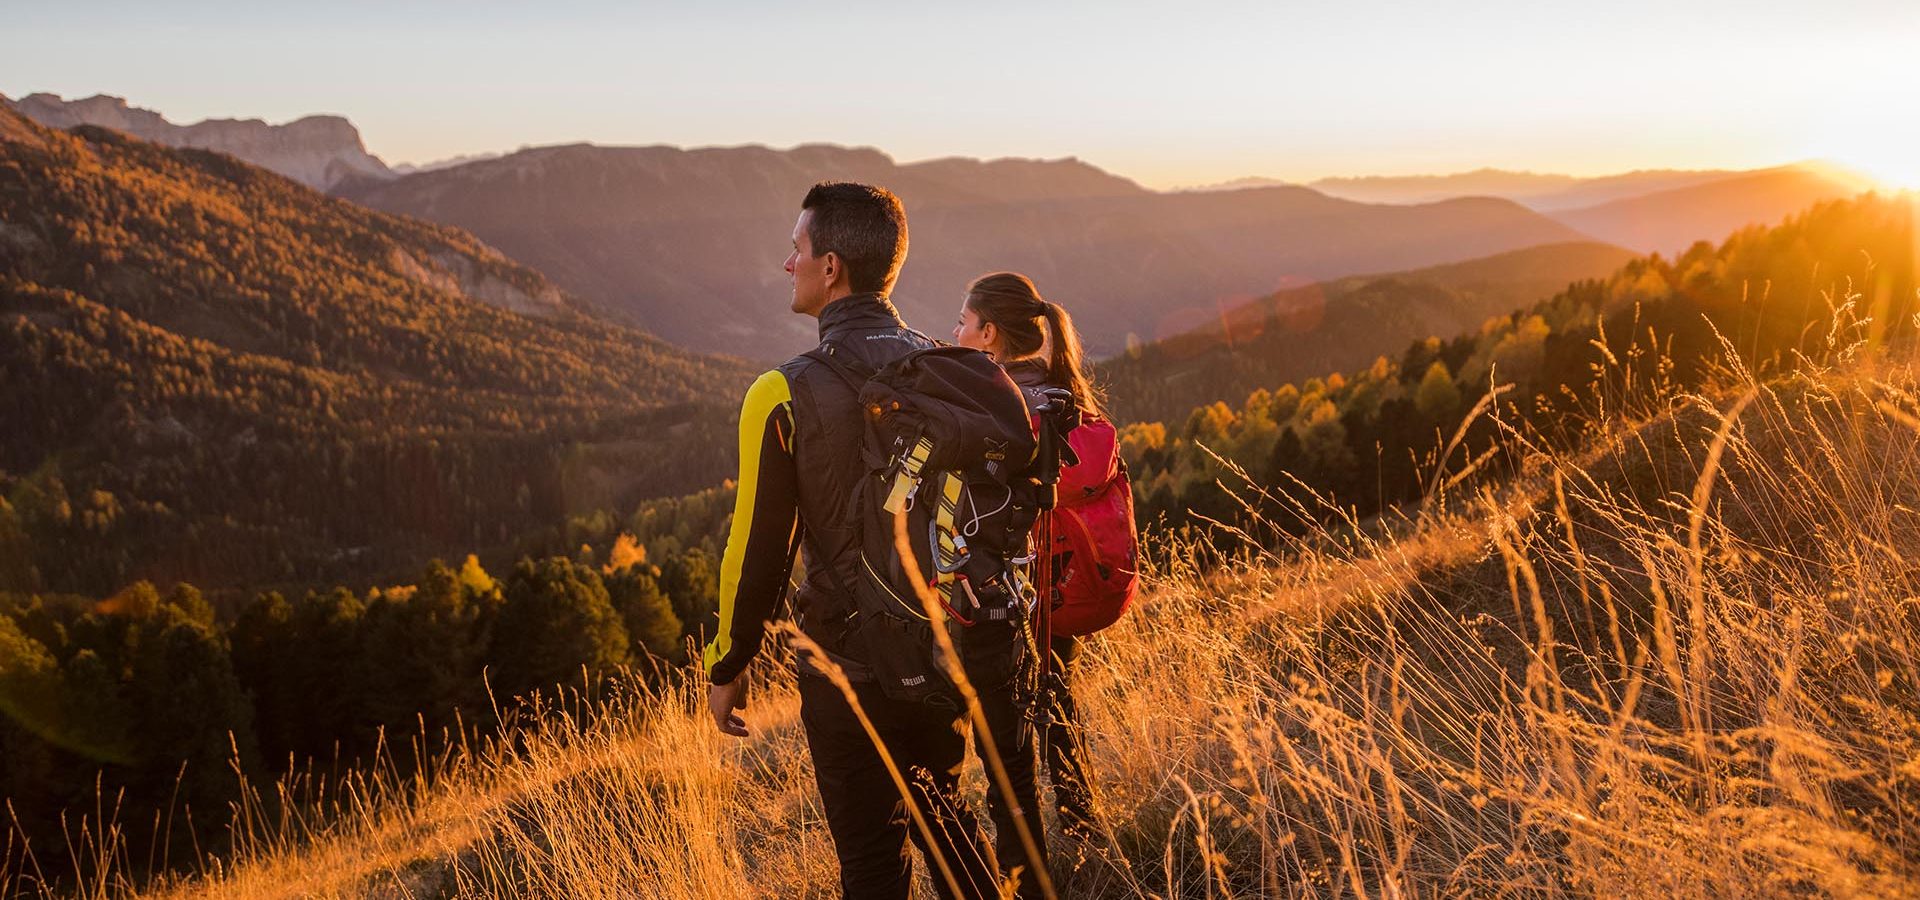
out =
column 834, row 268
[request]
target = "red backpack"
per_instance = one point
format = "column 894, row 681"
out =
column 1095, row 568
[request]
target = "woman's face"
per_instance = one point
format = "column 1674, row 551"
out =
column 973, row 331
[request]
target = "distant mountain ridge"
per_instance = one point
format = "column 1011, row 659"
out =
column 318, row 151
column 1584, row 192
column 451, row 161
column 690, row 242
column 1652, row 211
column 1517, row 186
column 1543, row 192
column 1669, row 221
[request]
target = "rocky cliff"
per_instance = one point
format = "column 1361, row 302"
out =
column 319, row 151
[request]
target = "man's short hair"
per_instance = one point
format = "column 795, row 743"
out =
column 865, row 226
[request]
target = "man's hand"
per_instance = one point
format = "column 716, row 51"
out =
column 723, row 699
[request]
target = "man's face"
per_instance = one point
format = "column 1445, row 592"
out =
column 806, row 271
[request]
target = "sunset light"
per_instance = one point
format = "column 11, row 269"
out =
column 1895, row 167
column 1899, row 176
column 1042, row 451
column 1871, row 121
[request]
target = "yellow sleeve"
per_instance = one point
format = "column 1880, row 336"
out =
column 754, row 569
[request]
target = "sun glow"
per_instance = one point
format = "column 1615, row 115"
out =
column 1893, row 168
column 1872, row 128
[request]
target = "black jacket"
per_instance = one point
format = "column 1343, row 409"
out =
column 801, row 431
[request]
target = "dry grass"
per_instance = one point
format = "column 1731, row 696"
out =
column 1682, row 663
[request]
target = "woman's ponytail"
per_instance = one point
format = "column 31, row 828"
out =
column 1067, row 366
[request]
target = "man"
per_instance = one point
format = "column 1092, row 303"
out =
column 800, row 433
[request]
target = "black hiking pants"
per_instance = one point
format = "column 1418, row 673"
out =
column 868, row 818
column 1009, row 720
column 1066, row 747
column 1066, row 741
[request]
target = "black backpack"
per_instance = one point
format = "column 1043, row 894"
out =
column 948, row 447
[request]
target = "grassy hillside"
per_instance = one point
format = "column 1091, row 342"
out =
column 1337, row 326
column 1680, row 661
column 216, row 374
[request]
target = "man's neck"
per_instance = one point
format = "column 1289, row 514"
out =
column 857, row 310
column 840, row 295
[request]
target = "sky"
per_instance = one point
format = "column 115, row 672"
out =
column 1169, row 94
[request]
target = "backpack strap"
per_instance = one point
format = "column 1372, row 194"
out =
column 828, row 355
column 850, row 369
column 856, row 374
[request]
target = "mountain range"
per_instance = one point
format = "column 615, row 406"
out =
column 214, row 373
column 687, row 243
column 684, row 241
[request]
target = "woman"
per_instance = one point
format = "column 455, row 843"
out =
column 1035, row 341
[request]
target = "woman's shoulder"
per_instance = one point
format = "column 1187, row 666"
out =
column 1031, row 377
column 1027, row 371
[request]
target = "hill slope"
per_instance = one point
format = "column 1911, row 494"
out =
column 1338, row 326
column 1829, row 284
column 218, row 374
column 690, row 242
column 1671, row 220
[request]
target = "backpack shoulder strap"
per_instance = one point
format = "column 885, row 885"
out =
column 850, row 369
